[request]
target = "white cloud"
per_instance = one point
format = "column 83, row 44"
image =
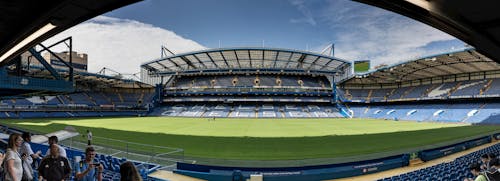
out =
column 122, row 44
column 308, row 17
column 365, row 32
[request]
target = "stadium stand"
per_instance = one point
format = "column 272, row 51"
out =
column 451, row 112
column 83, row 104
column 434, row 112
column 425, row 90
column 460, row 89
column 457, row 170
column 278, row 77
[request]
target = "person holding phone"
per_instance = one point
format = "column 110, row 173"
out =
column 88, row 170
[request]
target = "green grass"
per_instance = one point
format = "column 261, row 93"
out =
column 266, row 139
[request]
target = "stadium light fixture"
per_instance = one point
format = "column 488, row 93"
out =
column 27, row 40
column 421, row 3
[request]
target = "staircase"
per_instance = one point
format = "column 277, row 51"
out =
column 69, row 98
column 348, row 95
column 90, row 98
column 486, row 87
column 366, row 110
column 120, row 97
column 141, row 97
column 427, row 91
column 369, row 95
column 389, row 95
column 60, row 99
column 454, row 89
column 479, row 109
column 407, row 92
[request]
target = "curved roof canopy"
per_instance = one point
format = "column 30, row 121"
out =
column 452, row 63
column 245, row 58
column 474, row 22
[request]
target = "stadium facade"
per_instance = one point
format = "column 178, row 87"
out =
column 460, row 86
column 247, row 82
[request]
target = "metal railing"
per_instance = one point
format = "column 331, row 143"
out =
column 160, row 155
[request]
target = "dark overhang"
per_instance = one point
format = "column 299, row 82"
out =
column 474, row 22
column 27, row 22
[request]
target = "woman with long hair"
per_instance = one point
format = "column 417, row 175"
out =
column 128, row 172
column 13, row 162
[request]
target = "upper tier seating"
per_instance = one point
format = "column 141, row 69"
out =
column 460, row 89
column 249, row 81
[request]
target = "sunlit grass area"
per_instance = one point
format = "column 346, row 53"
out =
column 265, row 139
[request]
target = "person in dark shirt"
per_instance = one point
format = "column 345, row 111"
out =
column 54, row 167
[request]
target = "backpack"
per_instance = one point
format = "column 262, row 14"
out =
column 492, row 176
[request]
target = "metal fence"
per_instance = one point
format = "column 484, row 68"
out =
column 164, row 156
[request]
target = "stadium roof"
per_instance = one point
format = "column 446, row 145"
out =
column 97, row 80
column 24, row 23
column 451, row 63
column 246, row 58
column 474, row 22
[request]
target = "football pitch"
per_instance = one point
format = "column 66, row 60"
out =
column 265, row 139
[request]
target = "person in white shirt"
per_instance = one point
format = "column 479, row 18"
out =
column 54, row 140
column 89, row 137
column 13, row 163
column 30, row 155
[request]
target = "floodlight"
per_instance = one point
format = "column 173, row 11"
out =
column 27, row 40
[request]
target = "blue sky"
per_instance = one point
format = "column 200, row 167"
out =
column 133, row 34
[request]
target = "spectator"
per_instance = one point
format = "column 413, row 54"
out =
column 26, row 148
column 54, row 140
column 30, row 156
column 494, row 172
column 54, row 167
column 475, row 169
column 2, row 156
column 13, row 167
column 86, row 170
column 494, row 165
column 485, row 160
column 89, row 137
column 128, row 172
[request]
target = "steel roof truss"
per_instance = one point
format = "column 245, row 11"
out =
column 276, row 59
column 188, row 62
column 224, row 58
column 237, row 59
column 300, row 63
column 249, row 58
column 204, row 65
column 313, row 63
column 211, row 59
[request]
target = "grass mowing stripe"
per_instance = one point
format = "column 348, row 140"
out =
column 274, row 148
